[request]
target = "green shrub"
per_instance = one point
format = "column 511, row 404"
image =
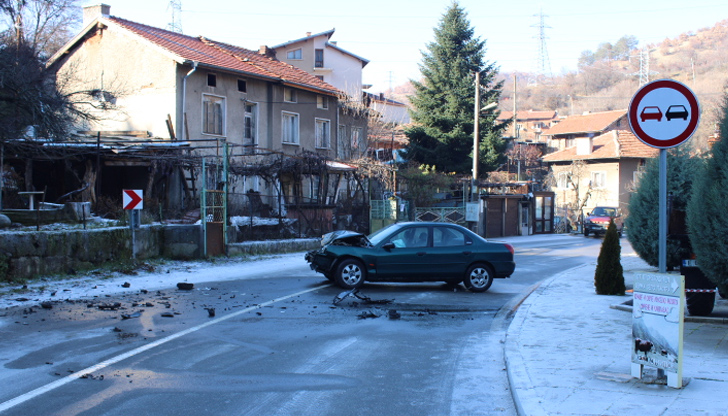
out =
column 642, row 222
column 707, row 214
column 609, row 275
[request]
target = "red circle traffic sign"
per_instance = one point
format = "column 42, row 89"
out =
column 664, row 113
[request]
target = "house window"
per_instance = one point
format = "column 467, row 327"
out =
column 319, row 61
column 355, row 137
column 322, row 102
column 213, row 114
column 321, row 77
column 323, row 133
column 289, row 130
column 289, row 95
column 211, row 80
column 242, row 85
column 570, row 141
column 342, row 139
column 250, row 139
column 599, row 180
column 295, row 54
column 562, row 180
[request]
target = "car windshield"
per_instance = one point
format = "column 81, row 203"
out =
column 604, row 212
column 382, row 233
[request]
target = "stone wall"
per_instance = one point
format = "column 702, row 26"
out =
column 28, row 254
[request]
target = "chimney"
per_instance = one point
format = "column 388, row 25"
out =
column 95, row 11
column 308, row 34
column 584, row 146
column 267, row 51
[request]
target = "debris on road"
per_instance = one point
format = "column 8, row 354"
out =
column 185, row 286
column 355, row 293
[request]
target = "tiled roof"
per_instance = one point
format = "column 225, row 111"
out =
column 614, row 144
column 528, row 115
column 221, row 55
column 587, row 123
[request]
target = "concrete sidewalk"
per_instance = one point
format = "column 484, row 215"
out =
column 568, row 352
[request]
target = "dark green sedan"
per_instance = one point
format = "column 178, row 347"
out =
column 412, row 252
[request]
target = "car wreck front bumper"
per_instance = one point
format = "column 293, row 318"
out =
column 319, row 261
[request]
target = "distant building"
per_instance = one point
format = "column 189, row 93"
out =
column 531, row 125
column 564, row 134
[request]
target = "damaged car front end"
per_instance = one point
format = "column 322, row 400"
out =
column 323, row 260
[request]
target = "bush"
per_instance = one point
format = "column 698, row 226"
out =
column 707, row 218
column 609, row 275
column 643, row 219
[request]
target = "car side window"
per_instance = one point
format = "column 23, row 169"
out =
column 447, row 237
column 410, row 238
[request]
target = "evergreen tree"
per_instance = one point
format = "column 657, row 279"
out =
column 707, row 211
column 444, row 101
column 609, row 275
column 642, row 224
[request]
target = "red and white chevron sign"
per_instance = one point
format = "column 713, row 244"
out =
column 132, row 199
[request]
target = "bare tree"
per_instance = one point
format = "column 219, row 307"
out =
column 43, row 25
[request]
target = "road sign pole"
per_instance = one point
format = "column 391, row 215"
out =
column 132, row 219
column 662, row 242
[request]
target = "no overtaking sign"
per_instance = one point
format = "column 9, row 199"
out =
column 664, row 113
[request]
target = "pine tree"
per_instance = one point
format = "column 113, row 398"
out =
column 642, row 222
column 444, row 101
column 609, row 275
column 708, row 213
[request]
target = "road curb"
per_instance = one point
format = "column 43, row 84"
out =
column 525, row 398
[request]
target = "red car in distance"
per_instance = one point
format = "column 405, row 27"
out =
column 651, row 113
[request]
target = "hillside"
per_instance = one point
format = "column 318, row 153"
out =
column 698, row 59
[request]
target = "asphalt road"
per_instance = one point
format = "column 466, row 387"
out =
column 277, row 345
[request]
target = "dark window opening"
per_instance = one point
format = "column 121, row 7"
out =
column 211, row 80
column 242, row 85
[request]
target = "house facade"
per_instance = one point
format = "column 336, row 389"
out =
column 530, row 126
column 323, row 58
column 597, row 171
column 211, row 95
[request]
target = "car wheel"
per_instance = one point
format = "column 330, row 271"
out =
column 586, row 232
column 350, row 274
column 700, row 304
column 478, row 278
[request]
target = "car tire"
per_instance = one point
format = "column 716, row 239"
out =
column 350, row 274
column 586, row 232
column 700, row 304
column 478, row 278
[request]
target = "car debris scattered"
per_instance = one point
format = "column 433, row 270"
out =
column 355, row 293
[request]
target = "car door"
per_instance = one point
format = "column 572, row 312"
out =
column 408, row 259
column 451, row 252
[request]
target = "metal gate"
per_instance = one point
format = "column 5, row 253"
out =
column 213, row 204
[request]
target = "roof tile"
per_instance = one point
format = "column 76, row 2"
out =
column 614, row 144
column 224, row 56
column 587, row 123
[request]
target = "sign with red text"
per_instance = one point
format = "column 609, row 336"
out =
column 132, row 199
column 657, row 323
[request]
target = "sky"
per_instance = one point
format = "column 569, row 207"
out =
column 392, row 34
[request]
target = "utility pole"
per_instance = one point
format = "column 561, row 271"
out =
column 476, row 141
column 515, row 107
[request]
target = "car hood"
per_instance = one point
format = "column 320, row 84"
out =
column 599, row 218
column 344, row 236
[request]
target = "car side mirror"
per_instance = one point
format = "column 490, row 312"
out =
column 388, row 246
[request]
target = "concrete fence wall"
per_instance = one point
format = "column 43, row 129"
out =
column 28, row 254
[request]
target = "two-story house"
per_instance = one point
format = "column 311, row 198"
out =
column 530, row 126
column 599, row 170
column 208, row 93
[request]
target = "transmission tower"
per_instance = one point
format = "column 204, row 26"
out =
column 543, row 67
column 644, row 66
column 176, row 24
